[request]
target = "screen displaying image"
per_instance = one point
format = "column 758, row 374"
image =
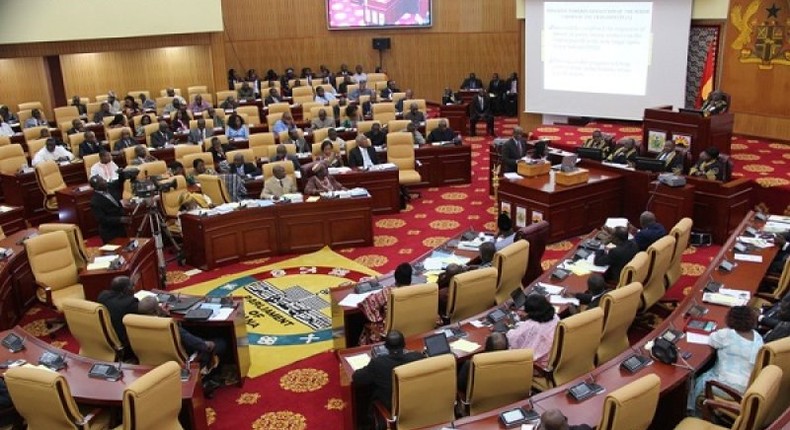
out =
column 358, row 14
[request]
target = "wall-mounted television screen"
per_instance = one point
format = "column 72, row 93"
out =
column 361, row 14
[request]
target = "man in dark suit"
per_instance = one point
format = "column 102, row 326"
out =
column 596, row 288
column 378, row 373
column 513, row 150
column 650, row 232
column 243, row 169
column 273, row 97
column 90, row 145
column 77, row 126
column 107, row 208
column 197, row 135
column 472, row 83
column 120, row 301
column 442, row 133
column 673, row 161
column 481, row 110
column 282, row 155
column 617, row 257
column 162, row 137
column 496, row 91
column 364, row 155
column 376, row 135
column 553, row 419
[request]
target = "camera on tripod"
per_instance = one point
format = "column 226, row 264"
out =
column 147, row 189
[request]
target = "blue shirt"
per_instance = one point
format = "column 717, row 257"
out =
column 242, row 133
column 280, row 127
column 646, row 236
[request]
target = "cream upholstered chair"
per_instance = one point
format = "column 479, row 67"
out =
column 754, row 407
column 90, row 324
column 199, row 89
column 101, row 97
column 376, row 77
column 279, row 108
column 781, row 286
column 44, row 399
column 91, row 108
column 153, row 401
column 171, row 198
column 421, row 105
column 189, row 160
column 412, row 309
column 314, row 110
column 180, row 151
column 573, row 353
column 74, row 143
column 398, row 96
column 681, row 232
column 154, row 340
column 136, row 94
column 397, row 125
column 261, row 139
column 287, row 165
column 66, row 113
column 49, row 182
column 152, row 168
column 114, row 134
column 365, row 126
column 382, row 107
column 272, row 119
column 619, row 307
column 33, row 133
column 385, row 117
column 271, row 151
column 83, row 100
column 511, row 263
column 433, row 123
column 635, row 270
column 223, row 95
column 35, row 145
column 321, row 134
column 253, row 115
column 52, row 263
column 5, row 140
column 423, row 393
column 633, row 406
column 471, row 293
column 31, row 106
column 283, row 135
column 214, row 187
column 76, row 241
column 207, row 141
column 497, row 378
column 193, row 124
column 400, row 152
column 163, row 92
column 248, row 154
column 149, row 130
column 660, row 256
column 12, row 158
column 316, row 151
column 128, row 154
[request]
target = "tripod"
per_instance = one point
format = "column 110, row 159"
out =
column 154, row 220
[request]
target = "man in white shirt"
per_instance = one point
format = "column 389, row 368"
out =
column 52, row 152
column 321, row 96
column 112, row 100
column 5, row 129
column 360, row 75
column 106, row 168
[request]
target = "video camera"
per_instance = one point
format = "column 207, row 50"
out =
column 145, row 189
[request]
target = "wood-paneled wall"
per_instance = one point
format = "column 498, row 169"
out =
column 91, row 74
column 24, row 80
column 468, row 35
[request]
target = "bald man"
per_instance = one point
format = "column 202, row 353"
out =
column 513, row 150
column 553, row 419
column 494, row 342
column 651, row 230
column 278, row 184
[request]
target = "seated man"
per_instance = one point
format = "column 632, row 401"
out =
column 90, row 145
column 278, row 184
column 124, row 142
column 505, row 234
column 146, row 104
column 650, row 232
column 322, row 121
column 708, row 166
column 120, row 301
column 472, row 83
column 77, row 126
column 617, row 257
column 82, row 109
column 418, row 138
column 285, row 123
column 596, row 141
column 104, row 111
column 480, row 109
column 377, row 136
column 295, row 138
column 494, row 342
column 378, row 373
column 229, row 104
column 778, row 264
column 386, row 92
column 243, row 168
column 199, row 134
column 282, row 155
column 6, row 130
column 553, row 419
column 273, row 97
column 444, row 280
column 107, row 208
column 52, row 152
column 321, row 181
column 199, row 167
column 359, row 75
column 246, row 92
column 486, row 250
column 596, row 288
column 141, row 156
column 401, row 103
column 449, row 97
column 625, row 153
column 321, row 96
column 163, row 137
column 364, row 155
column 776, row 320
column 414, row 115
column 333, row 137
column 362, row 90
column 673, row 162
column 442, row 133
column 106, row 168
column 199, row 105
column 715, row 104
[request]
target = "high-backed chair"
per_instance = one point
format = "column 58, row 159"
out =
column 91, row 108
column 781, row 285
column 223, row 95
column 5, row 140
column 681, row 232
column 114, row 134
column 365, row 126
column 619, row 308
column 511, row 264
column 182, row 150
column 76, row 240
column 44, row 399
column 397, row 125
column 136, row 94
column 249, row 156
column 253, row 115
column 154, row 340
column 66, row 113
column 193, row 125
column 33, row 132
column 189, row 159
column 635, row 270
column 283, row 135
column 90, row 324
column 31, row 106
column 12, row 158
column 148, row 130
column 272, row 119
column 279, row 108
column 412, row 310
column 537, row 234
column 433, row 123
column 261, row 139
column 207, row 141
column 49, row 181
column 385, row 117
column 754, row 407
column 633, row 406
column 576, row 341
column 423, row 393
column 496, row 379
column 287, row 165
column 317, row 148
column 153, row 401
column 471, row 293
column 271, row 151
column 400, row 152
column 152, row 168
column 660, row 256
column 214, row 187
column 382, row 107
column 311, row 111
column 52, row 263
column 34, row 146
column 320, row 134
column 171, row 199
column 176, row 91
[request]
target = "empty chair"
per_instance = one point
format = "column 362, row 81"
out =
column 386, row 117
column 261, row 139
column 180, row 151
column 279, row 108
column 66, row 113
column 12, row 158
column 253, row 115
column 214, row 188
column 33, row 132
column 754, row 407
column 44, row 399
column 471, row 293
column 365, row 126
column 52, row 264
column 90, row 324
column 619, row 307
column 413, row 309
column 423, row 393
column 511, row 263
column 154, row 340
column 660, row 256
column 153, row 401
column 635, row 271
column 197, row 89
column 633, row 406
column 576, row 341
column 497, row 378
column 49, row 182
column 681, row 232
column 76, row 240
column 400, row 152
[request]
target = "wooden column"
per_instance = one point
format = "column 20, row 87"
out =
column 219, row 66
column 54, row 76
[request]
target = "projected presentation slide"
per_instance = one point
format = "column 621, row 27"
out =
column 358, row 14
column 598, row 47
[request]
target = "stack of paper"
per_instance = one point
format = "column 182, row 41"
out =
column 748, row 257
column 464, row 345
column 559, row 300
column 551, row 289
column 101, row 262
column 143, row 294
column 353, row 300
column 512, row 176
column 109, row 248
column 616, row 222
column 358, row 361
column 727, row 297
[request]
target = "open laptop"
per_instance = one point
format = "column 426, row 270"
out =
column 436, row 344
column 568, row 163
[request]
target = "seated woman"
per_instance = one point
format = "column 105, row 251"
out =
column 139, row 130
column 537, row 330
column 236, row 128
column 322, row 182
column 180, row 121
column 353, row 116
column 219, row 151
column 118, row 121
column 736, row 351
column 329, row 156
column 188, row 202
column 374, row 307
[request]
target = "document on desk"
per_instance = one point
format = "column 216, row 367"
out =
column 140, row 295
column 353, row 300
column 756, row 242
column 358, row 361
column 109, row 248
column 748, row 257
column 776, row 227
column 101, row 262
column 559, row 300
column 616, row 222
column 700, row 339
column 4, row 208
column 512, row 176
column 221, row 314
column 464, row 345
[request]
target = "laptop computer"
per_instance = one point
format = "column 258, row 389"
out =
column 182, row 304
column 436, row 344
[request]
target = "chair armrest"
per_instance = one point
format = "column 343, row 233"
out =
column 47, row 292
column 385, row 413
column 546, row 372
column 709, row 385
column 90, row 416
column 709, row 405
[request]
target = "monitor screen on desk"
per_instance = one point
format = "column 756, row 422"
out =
column 649, row 164
column 590, row 153
column 568, row 163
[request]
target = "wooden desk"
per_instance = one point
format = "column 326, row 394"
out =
column 91, row 391
column 571, row 210
column 280, row 229
column 74, row 207
column 141, row 266
column 718, row 207
column 457, row 117
column 444, row 165
column 13, row 219
column 17, row 284
column 22, row 190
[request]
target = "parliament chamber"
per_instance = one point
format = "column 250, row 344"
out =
column 163, row 266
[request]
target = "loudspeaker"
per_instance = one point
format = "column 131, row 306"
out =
column 381, row 43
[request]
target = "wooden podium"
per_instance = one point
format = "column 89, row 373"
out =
column 705, row 132
column 457, row 116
